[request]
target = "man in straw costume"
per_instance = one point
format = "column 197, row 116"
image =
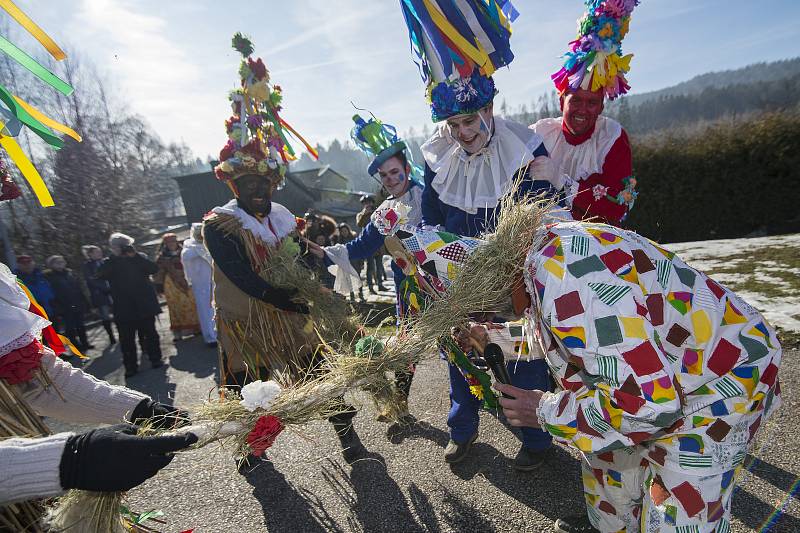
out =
column 402, row 180
column 471, row 161
column 264, row 331
column 591, row 152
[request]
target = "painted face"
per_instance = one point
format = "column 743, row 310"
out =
column 394, row 177
column 255, row 193
column 581, row 109
column 472, row 131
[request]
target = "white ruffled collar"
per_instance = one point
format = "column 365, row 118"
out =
column 478, row 181
column 271, row 229
column 578, row 161
column 18, row 326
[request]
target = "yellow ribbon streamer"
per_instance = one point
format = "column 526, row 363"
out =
column 482, row 59
column 47, row 121
column 68, row 343
column 27, row 169
column 33, row 28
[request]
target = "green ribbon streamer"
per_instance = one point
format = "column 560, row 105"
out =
column 34, row 66
column 279, row 128
column 23, row 116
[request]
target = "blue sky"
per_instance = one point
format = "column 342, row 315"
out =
column 172, row 62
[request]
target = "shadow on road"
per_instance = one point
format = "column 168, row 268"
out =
column 285, row 507
column 554, row 489
column 192, row 355
column 754, row 512
column 419, row 429
column 374, row 489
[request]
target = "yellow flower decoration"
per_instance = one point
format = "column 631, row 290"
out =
column 477, row 391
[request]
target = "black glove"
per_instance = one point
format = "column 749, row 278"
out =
column 282, row 299
column 159, row 415
column 114, row 459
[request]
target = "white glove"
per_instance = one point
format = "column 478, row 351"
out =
column 543, row 168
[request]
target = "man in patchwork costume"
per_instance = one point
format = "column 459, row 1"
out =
column 471, row 161
column 263, row 331
column 666, row 378
column 591, row 152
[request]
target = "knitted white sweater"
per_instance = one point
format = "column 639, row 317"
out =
column 29, row 468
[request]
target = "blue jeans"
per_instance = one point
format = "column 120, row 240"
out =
column 463, row 418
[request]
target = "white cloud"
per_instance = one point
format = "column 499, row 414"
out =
column 159, row 76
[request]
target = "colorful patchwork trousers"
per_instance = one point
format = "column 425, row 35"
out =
column 626, row 493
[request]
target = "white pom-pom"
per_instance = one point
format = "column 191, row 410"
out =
column 259, row 395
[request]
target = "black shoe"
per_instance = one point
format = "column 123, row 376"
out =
column 211, row 344
column 527, row 459
column 382, row 288
column 455, row 452
column 372, row 291
column 575, row 524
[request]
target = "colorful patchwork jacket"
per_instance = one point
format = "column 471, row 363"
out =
column 648, row 351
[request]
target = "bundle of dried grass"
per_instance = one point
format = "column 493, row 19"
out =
column 484, row 284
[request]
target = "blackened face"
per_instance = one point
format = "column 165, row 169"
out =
column 255, row 193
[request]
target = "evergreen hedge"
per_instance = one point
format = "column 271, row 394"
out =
column 723, row 181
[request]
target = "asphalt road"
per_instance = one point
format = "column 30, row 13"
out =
column 404, row 484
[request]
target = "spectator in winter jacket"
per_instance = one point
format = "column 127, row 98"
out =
column 34, row 280
column 99, row 289
column 69, row 304
column 135, row 302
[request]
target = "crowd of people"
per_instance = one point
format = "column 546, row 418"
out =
column 122, row 289
column 659, row 376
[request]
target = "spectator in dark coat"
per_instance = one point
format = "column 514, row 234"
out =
column 34, row 280
column 99, row 289
column 70, row 304
column 134, row 300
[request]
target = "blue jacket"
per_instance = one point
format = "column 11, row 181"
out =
column 40, row 289
column 370, row 241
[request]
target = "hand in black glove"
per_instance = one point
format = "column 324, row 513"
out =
column 114, row 459
column 282, row 299
column 159, row 415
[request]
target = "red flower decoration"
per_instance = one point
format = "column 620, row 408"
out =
column 254, row 149
column 264, row 433
column 257, row 67
column 227, row 150
column 301, row 224
column 19, row 365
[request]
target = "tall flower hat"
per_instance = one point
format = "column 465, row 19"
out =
column 594, row 60
column 380, row 141
column 257, row 135
column 458, row 44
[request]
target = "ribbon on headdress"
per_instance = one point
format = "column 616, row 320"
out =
column 35, row 67
column 27, row 170
column 38, row 33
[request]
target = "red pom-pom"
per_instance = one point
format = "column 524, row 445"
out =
column 264, row 433
column 19, row 365
column 227, row 150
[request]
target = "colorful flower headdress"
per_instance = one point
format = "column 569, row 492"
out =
column 594, row 60
column 380, row 141
column 458, row 44
column 257, row 135
column 15, row 112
